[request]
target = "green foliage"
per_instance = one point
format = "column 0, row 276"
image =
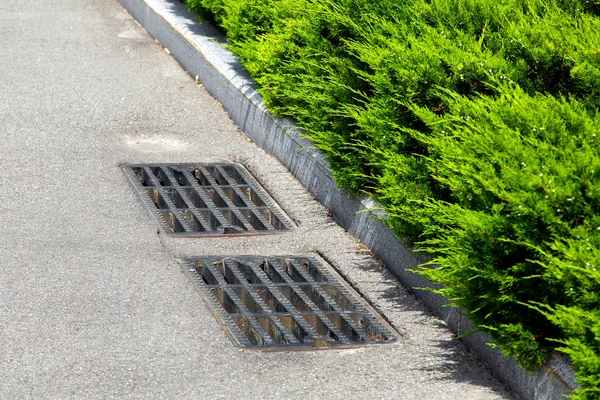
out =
column 523, row 222
column 474, row 123
column 582, row 344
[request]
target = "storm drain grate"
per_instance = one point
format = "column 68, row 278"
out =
column 284, row 302
column 206, row 199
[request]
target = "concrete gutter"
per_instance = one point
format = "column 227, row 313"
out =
column 200, row 49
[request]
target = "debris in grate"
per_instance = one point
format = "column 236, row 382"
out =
column 206, row 199
column 285, row 303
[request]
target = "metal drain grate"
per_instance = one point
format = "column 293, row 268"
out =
column 207, row 199
column 284, row 302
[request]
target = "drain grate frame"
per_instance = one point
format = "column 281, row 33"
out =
column 285, row 303
column 213, row 199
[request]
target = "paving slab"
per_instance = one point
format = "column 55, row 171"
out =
column 93, row 302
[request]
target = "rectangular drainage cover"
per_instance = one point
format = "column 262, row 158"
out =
column 285, row 303
column 206, row 199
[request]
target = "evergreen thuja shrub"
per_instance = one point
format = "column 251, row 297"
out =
column 578, row 267
column 331, row 64
column 473, row 123
column 522, row 228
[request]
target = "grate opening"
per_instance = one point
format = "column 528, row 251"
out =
column 293, row 297
column 172, row 221
column 226, row 301
column 316, row 297
column 340, row 299
column 216, row 175
column 201, row 179
column 180, row 177
column 269, row 298
column 247, row 300
column 142, row 176
column 367, row 326
column 195, row 198
column 212, row 221
column 247, row 272
column 314, row 272
column 192, row 221
column 293, row 272
column 320, row 327
column 234, row 174
column 157, row 199
column 252, row 196
column 233, row 220
column 294, row 327
column 253, row 219
column 273, row 330
column 212, row 199
column 271, row 272
column 175, row 198
column 228, row 274
column 233, row 197
column 206, row 275
column 161, row 177
column 343, row 326
column 285, row 302
column 267, row 215
column 249, row 331
column 161, row 200
column 216, row 198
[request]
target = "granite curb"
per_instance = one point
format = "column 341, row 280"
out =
column 200, row 49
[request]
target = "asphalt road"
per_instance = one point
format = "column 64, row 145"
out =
column 93, row 303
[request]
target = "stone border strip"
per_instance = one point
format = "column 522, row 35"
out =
column 200, row 49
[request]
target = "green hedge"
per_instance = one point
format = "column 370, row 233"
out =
column 474, row 123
